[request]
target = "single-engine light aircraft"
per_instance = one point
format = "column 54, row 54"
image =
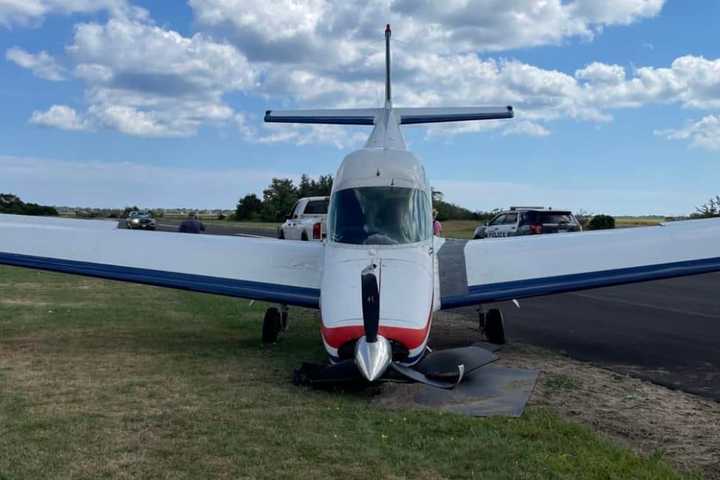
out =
column 375, row 278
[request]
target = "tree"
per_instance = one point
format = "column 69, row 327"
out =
column 10, row 203
column 309, row 187
column 709, row 210
column 278, row 199
column 248, row 208
column 601, row 222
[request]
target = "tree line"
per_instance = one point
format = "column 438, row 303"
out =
column 10, row 203
column 280, row 197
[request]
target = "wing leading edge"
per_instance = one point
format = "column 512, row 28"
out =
column 513, row 268
column 261, row 269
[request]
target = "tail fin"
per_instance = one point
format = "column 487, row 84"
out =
column 388, row 92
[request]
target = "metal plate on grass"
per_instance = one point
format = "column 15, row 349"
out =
column 489, row 391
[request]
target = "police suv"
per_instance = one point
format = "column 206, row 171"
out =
column 528, row 221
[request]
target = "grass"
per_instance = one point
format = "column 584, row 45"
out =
column 108, row 380
column 623, row 222
column 560, row 382
column 459, row 228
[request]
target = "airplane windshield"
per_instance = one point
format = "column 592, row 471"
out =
column 380, row 216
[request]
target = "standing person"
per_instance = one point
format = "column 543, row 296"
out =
column 437, row 226
column 191, row 224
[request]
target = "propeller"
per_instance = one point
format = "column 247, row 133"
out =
column 370, row 303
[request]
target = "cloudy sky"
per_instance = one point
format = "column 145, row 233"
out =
column 117, row 102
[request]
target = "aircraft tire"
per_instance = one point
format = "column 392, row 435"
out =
column 494, row 327
column 272, row 324
column 304, row 237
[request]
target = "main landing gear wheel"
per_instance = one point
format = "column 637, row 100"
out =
column 272, row 325
column 494, row 327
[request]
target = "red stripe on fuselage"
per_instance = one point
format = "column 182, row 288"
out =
column 411, row 338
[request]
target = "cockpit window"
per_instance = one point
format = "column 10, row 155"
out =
column 380, row 216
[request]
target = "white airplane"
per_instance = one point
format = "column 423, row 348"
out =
column 375, row 278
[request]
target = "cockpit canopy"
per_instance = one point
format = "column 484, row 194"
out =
column 380, row 216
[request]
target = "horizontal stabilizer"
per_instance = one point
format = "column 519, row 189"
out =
column 355, row 116
column 410, row 116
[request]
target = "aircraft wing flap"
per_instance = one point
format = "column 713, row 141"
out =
column 513, row 268
column 257, row 268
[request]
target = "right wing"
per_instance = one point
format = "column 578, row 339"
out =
column 504, row 269
column 271, row 270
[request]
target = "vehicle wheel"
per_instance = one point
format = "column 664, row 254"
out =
column 272, row 324
column 304, row 237
column 494, row 328
column 281, row 234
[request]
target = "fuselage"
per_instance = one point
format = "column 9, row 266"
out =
column 380, row 214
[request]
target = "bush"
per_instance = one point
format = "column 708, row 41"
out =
column 10, row 203
column 601, row 222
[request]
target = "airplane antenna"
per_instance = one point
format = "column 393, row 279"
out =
column 387, row 64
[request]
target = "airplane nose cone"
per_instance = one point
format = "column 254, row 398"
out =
column 372, row 359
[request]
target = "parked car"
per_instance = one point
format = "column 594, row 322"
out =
column 307, row 221
column 528, row 221
column 140, row 220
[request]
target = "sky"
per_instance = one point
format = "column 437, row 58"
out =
column 108, row 103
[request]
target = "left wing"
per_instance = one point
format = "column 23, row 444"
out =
column 504, row 269
column 271, row 270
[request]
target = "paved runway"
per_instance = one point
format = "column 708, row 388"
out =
column 666, row 331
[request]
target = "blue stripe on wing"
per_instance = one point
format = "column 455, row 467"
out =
column 285, row 294
column 499, row 292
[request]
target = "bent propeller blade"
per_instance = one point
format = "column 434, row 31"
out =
column 370, row 304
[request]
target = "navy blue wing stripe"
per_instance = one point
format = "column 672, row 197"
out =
column 499, row 292
column 300, row 296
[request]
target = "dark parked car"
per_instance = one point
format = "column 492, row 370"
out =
column 528, row 221
column 141, row 220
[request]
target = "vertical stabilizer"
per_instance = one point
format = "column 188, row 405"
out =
column 388, row 93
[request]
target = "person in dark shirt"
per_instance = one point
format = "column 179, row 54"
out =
column 191, row 225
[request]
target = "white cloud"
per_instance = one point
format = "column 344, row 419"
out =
column 33, row 12
column 41, row 64
column 59, row 116
column 524, row 127
column 704, row 133
column 283, row 30
column 144, row 80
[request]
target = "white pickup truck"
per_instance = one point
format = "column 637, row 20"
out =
column 307, row 220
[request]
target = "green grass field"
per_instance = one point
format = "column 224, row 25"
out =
column 109, row 380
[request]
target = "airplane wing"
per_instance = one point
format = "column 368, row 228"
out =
column 512, row 268
column 271, row 270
